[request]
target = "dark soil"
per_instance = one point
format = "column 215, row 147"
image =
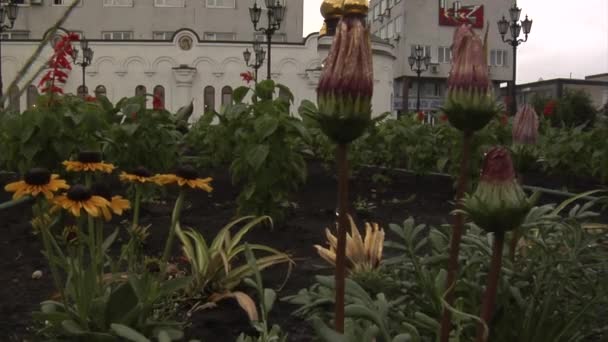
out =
column 427, row 198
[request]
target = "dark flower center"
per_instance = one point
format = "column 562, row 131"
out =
column 79, row 193
column 142, row 172
column 100, row 189
column 38, row 176
column 186, row 172
column 89, row 157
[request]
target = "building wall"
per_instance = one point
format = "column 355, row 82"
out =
column 418, row 23
column 143, row 18
column 596, row 88
column 122, row 66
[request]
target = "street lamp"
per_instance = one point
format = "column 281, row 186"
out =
column 260, row 55
column 514, row 27
column 7, row 11
column 85, row 61
column 419, row 63
column 276, row 13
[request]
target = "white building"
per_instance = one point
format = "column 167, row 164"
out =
column 430, row 23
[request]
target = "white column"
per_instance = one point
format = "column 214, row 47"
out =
column 184, row 78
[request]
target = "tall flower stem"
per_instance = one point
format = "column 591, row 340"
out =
column 457, row 231
column 489, row 298
column 177, row 209
column 342, row 165
column 136, row 205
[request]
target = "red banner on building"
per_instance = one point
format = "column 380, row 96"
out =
column 456, row 16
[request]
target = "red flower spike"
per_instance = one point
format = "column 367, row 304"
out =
column 420, row 116
column 497, row 166
column 247, row 76
column 49, row 83
column 549, row 109
column 157, row 103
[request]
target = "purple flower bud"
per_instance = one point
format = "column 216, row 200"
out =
column 525, row 126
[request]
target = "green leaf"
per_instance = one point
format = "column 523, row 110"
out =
column 121, row 302
column 265, row 89
column 265, row 126
column 239, row 94
column 128, row 333
column 257, row 155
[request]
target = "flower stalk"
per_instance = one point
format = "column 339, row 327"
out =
column 177, row 209
column 457, row 231
column 340, row 275
column 489, row 298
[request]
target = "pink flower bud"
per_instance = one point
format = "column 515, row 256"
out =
column 470, row 67
column 525, row 126
column 497, row 166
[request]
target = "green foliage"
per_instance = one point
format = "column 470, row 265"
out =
column 266, row 161
column 124, row 311
column 554, row 289
column 214, row 266
column 144, row 137
column 267, row 298
column 46, row 135
column 574, row 108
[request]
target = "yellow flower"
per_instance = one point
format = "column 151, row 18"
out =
column 37, row 181
column 117, row 205
column 139, row 175
column 185, row 175
column 78, row 198
column 88, row 162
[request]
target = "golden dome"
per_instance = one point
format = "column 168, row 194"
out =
column 323, row 30
column 356, row 6
column 331, row 8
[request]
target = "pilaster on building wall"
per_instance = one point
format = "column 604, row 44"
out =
column 203, row 72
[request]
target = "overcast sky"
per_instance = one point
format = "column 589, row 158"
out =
column 567, row 37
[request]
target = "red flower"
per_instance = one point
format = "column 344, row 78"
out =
column 157, row 103
column 504, row 120
column 90, row 98
column 420, row 116
column 52, row 81
column 247, row 76
column 549, row 109
column 443, row 117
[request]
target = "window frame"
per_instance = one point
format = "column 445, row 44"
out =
column 207, row 5
column 113, row 3
column 181, row 4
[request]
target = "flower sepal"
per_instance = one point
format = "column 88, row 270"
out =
column 342, row 118
column 470, row 110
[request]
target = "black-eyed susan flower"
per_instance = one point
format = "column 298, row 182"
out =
column 80, row 197
column 37, row 181
column 117, row 204
column 186, row 175
column 139, row 175
column 88, row 161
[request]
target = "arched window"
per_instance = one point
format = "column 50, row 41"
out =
column 82, row 91
column 226, row 95
column 32, row 96
column 209, row 98
column 13, row 99
column 140, row 90
column 101, row 90
column 159, row 97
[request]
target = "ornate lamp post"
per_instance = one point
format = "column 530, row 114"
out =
column 85, row 61
column 276, row 13
column 419, row 63
column 260, row 55
column 7, row 11
column 514, row 26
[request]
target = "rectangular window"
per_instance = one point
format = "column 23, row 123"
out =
column 221, row 3
column 384, row 32
column 376, row 12
column 444, row 54
column 162, row 35
column 219, row 36
column 15, row 35
column 65, row 3
column 277, row 37
column 498, row 57
column 398, row 25
column 427, row 50
column 169, row 3
column 117, row 35
column 117, row 3
column 391, row 29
